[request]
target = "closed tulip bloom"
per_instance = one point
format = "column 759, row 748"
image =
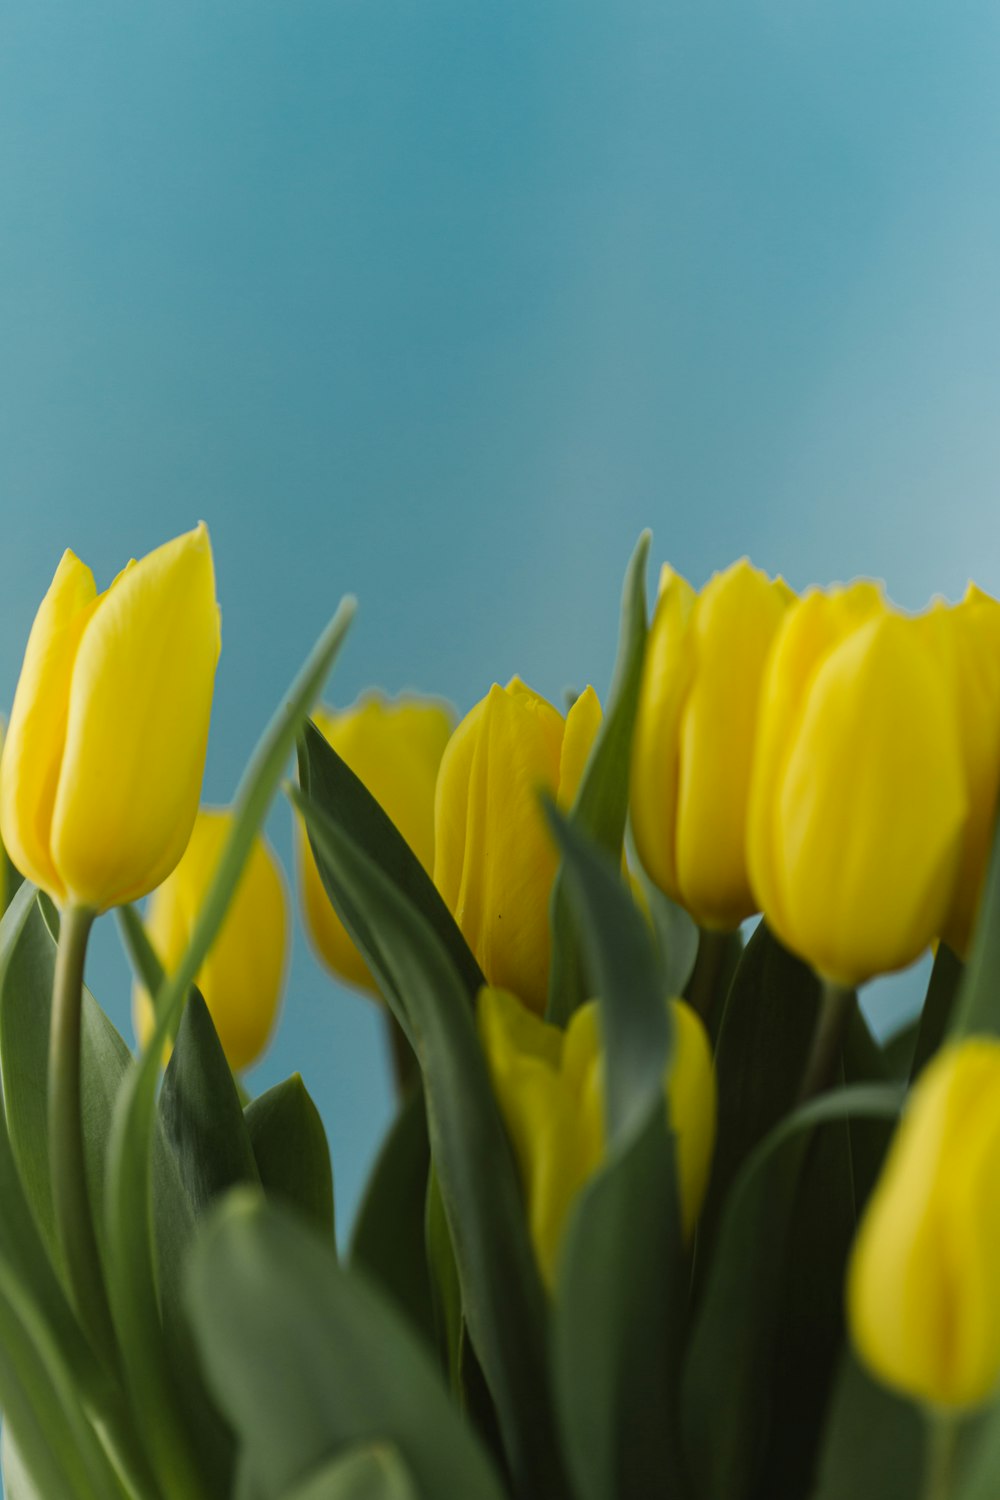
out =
column 969, row 634
column 393, row 745
column 550, row 1088
column 922, row 1298
column 694, row 737
column 103, row 761
column 858, row 799
column 243, row 977
column 494, row 857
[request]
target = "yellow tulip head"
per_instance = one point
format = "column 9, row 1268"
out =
column 104, row 755
column 243, row 977
column 394, row 746
column 550, row 1088
column 858, row 798
column 694, row 737
column 969, row 636
column 494, row 857
column 922, row 1298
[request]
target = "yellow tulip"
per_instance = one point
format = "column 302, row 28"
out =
column 694, row 737
column 395, row 747
column 550, row 1088
column 858, row 798
column 922, row 1294
column 243, row 976
column 494, row 858
column 969, row 634
column 105, row 751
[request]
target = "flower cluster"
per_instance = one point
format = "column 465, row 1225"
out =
column 658, row 1210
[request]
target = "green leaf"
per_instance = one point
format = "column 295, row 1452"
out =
column 308, row 1359
column 601, row 805
column 977, row 1005
column 502, row 1296
column 938, row 1008
column 676, row 933
column 291, row 1150
column 445, row 1282
column 132, row 1282
column 727, row 1378
column 898, row 1051
column 718, row 959
column 333, row 787
column 621, row 1294
column 760, row 1056
column 58, row 1448
column 873, row 1444
column 27, row 970
column 369, row 1473
column 387, row 1242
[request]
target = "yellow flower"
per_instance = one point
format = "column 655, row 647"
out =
column 922, row 1294
column 858, row 798
column 104, row 755
column 970, row 635
column 694, row 737
column 550, row 1088
column 243, row 976
column 494, row 858
column 395, row 747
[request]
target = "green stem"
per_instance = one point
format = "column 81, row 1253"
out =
column 835, row 1007
column 711, row 966
column 67, row 1165
column 939, row 1456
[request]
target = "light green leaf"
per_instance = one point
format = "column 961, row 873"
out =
column 600, row 807
column 132, row 1282
column 308, row 1359
column 977, row 1005
column 370, row 1473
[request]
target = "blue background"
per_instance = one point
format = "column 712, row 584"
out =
column 442, row 302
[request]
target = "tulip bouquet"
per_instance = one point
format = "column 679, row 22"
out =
column 658, row 1215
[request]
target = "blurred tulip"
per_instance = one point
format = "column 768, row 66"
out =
column 393, row 745
column 969, row 634
column 105, row 751
column 549, row 1085
column 243, row 976
column 695, row 734
column 922, row 1291
column 858, row 797
column 495, row 859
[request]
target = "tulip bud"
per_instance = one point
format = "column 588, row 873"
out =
column 495, row 859
column 242, row 979
column 105, row 751
column 969, row 634
column 395, row 747
column 694, row 737
column 921, row 1289
column 550, row 1088
column 858, row 798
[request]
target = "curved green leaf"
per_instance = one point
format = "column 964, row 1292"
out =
column 502, row 1296
column 308, row 1359
column 332, row 787
column 727, row 1376
column 132, row 1279
column 600, row 808
column 621, row 1293
column 291, row 1151
column 370, row 1473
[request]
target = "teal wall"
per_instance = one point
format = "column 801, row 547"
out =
column 442, row 302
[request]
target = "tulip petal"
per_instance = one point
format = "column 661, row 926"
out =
column 36, row 737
